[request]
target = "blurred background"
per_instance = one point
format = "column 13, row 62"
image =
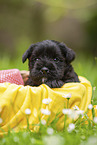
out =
column 74, row 22
column 23, row 22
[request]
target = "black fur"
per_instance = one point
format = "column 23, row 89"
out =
column 49, row 63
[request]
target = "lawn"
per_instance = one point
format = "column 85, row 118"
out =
column 81, row 133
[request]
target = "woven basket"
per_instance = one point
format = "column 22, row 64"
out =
column 24, row 75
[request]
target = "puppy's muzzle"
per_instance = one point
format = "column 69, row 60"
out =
column 45, row 70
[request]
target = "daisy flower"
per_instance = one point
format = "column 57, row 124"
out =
column 76, row 107
column 43, row 122
column 95, row 120
column 27, row 111
column 90, row 106
column 50, row 131
column 94, row 88
column 46, row 101
column 73, row 115
column 67, row 96
column 67, row 111
column 71, row 127
column 80, row 112
column 45, row 111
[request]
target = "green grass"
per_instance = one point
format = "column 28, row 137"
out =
column 83, row 134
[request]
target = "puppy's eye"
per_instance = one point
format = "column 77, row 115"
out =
column 36, row 59
column 56, row 59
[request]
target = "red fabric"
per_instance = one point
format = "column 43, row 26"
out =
column 11, row 76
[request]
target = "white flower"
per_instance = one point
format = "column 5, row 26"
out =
column 73, row 115
column 45, row 111
column 79, row 112
column 95, row 120
column 43, row 122
column 46, row 101
column 1, row 120
column 67, row 111
column 68, row 96
column 71, row 127
column 50, row 131
column 76, row 107
column 90, row 106
column 28, row 111
column 94, row 88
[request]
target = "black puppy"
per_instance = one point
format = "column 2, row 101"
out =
column 49, row 63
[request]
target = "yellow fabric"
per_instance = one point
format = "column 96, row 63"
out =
column 15, row 99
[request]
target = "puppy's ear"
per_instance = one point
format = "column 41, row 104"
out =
column 68, row 53
column 28, row 53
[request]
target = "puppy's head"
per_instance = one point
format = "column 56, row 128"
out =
column 48, row 60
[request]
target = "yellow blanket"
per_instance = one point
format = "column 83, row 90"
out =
column 21, row 104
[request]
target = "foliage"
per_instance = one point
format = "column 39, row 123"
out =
column 83, row 135
column 71, row 21
column 56, row 9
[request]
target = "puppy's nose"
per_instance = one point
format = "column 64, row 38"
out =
column 45, row 70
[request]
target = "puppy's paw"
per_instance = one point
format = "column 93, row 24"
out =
column 55, row 84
